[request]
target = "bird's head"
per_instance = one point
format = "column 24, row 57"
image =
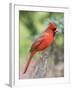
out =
column 53, row 27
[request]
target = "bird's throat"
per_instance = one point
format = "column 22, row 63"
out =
column 54, row 33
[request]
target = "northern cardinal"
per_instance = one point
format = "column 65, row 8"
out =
column 43, row 42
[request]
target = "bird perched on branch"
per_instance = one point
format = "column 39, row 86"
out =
column 43, row 42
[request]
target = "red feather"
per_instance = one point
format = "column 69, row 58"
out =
column 44, row 41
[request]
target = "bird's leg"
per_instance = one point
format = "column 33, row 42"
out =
column 44, row 54
column 41, row 58
column 55, row 43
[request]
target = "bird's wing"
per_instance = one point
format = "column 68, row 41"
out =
column 38, row 41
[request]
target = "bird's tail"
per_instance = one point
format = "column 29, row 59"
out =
column 28, row 62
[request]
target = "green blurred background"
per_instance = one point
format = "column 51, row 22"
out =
column 31, row 24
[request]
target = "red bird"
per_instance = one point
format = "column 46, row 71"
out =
column 43, row 42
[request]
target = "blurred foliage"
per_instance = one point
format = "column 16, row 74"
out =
column 32, row 23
